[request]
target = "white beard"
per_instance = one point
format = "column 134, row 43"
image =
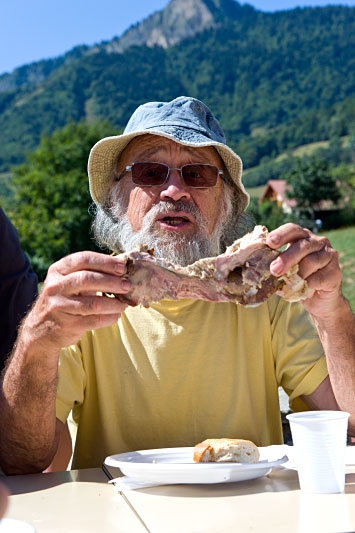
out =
column 112, row 229
column 177, row 248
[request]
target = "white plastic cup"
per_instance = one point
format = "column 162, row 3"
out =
column 319, row 439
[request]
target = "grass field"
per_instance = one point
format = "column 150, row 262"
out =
column 343, row 240
column 256, row 192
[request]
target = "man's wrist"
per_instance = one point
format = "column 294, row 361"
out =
column 339, row 317
column 32, row 346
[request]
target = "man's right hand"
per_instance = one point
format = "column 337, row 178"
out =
column 69, row 305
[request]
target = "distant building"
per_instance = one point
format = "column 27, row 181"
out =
column 275, row 191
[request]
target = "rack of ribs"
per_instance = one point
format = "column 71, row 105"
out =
column 241, row 274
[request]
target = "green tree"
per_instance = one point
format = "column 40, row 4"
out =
column 345, row 176
column 269, row 94
column 268, row 214
column 50, row 205
column 311, row 182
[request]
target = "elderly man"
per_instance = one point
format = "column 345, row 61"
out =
column 178, row 371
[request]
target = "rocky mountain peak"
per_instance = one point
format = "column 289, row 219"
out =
column 180, row 20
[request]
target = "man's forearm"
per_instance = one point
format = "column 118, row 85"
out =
column 337, row 334
column 27, row 407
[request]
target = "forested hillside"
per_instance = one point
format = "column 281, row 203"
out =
column 275, row 81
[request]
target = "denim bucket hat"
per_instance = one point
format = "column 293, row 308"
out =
column 184, row 120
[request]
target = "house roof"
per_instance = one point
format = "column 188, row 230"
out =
column 278, row 188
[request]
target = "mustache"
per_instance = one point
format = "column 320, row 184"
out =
column 162, row 208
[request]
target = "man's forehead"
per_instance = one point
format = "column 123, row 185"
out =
column 148, row 145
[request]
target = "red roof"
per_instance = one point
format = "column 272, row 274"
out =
column 277, row 188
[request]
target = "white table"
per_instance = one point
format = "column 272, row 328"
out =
column 79, row 501
column 75, row 501
column 270, row 504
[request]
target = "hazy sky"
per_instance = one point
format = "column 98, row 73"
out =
column 37, row 29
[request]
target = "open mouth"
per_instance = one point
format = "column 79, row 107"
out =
column 175, row 221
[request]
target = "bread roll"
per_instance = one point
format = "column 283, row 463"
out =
column 226, row 451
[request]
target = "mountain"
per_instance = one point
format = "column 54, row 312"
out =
column 272, row 79
column 35, row 73
column 180, row 20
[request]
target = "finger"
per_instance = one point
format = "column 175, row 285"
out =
column 86, row 282
column 69, row 328
column 328, row 278
column 64, row 325
column 297, row 252
column 316, row 261
column 105, row 321
column 90, row 261
column 90, row 305
column 285, row 234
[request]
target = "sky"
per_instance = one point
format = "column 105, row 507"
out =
column 32, row 30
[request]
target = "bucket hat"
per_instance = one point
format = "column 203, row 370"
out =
column 184, row 120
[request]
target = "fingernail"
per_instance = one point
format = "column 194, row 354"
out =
column 120, row 268
column 126, row 285
column 275, row 239
column 276, row 266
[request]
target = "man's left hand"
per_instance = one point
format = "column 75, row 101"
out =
column 318, row 264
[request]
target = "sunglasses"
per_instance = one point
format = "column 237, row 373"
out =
column 197, row 175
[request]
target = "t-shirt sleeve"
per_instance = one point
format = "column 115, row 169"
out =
column 298, row 353
column 71, row 381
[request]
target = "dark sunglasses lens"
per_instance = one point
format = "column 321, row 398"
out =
column 148, row 174
column 200, row 175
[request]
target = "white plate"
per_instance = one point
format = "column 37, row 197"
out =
column 175, row 465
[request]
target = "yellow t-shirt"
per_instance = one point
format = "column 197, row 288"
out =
column 179, row 372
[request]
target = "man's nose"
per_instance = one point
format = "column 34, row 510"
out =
column 175, row 187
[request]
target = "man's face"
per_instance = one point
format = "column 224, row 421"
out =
column 174, row 192
column 181, row 223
